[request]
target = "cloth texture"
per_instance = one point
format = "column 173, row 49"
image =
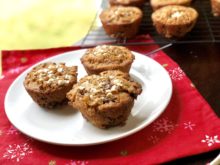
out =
column 187, row 127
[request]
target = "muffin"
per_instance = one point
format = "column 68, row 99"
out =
column 174, row 21
column 120, row 21
column 48, row 83
column 137, row 3
column 156, row 4
column 107, row 57
column 105, row 100
column 215, row 4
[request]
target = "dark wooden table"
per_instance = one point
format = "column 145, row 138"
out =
column 201, row 63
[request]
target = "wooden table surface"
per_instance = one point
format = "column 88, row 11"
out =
column 201, row 63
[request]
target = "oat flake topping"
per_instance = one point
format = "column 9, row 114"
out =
column 100, row 89
column 50, row 74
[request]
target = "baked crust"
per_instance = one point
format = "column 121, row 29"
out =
column 48, row 83
column 137, row 3
column 106, row 99
column 174, row 21
column 156, row 4
column 215, row 7
column 121, row 22
column 107, row 57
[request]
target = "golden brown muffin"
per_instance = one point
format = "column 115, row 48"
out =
column 107, row 57
column 106, row 99
column 156, row 4
column 121, row 22
column 137, row 3
column 48, row 83
column 174, row 21
column 215, row 7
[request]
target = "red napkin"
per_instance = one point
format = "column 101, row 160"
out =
column 187, row 127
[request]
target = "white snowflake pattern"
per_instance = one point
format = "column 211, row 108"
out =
column 189, row 125
column 15, row 71
column 210, row 140
column 12, row 131
column 153, row 139
column 1, row 77
column 176, row 73
column 16, row 152
column 1, row 132
column 164, row 125
column 77, row 162
column 10, row 60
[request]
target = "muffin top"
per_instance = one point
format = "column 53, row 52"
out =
column 175, row 15
column 50, row 76
column 120, row 15
column 169, row 2
column 107, row 55
column 107, row 87
column 126, row 2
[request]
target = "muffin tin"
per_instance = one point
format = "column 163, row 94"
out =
column 207, row 29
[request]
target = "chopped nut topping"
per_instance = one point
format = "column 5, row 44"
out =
column 108, row 54
column 176, row 14
column 61, row 82
column 51, row 74
column 68, row 77
column 60, row 69
column 106, row 51
column 99, row 89
column 117, row 82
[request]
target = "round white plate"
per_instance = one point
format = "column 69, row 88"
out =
column 66, row 126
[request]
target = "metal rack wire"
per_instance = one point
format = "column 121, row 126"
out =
column 206, row 30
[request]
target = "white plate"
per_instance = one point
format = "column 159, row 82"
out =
column 66, row 126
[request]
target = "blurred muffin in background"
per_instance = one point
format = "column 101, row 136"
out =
column 120, row 21
column 138, row 3
column 156, row 4
column 174, row 21
column 215, row 4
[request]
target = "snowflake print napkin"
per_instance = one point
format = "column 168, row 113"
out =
column 187, row 127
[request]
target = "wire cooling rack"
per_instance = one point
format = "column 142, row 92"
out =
column 206, row 30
